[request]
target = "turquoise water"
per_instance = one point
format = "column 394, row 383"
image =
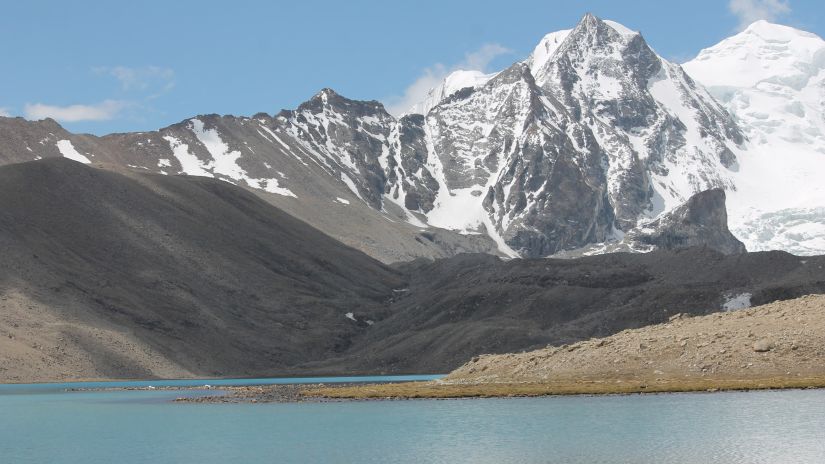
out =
column 143, row 426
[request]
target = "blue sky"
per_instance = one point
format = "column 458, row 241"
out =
column 103, row 67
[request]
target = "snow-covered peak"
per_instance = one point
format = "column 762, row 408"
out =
column 597, row 43
column 764, row 51
column 778, row 32
column 542, row 53
column 545, row 49
column 454, row 82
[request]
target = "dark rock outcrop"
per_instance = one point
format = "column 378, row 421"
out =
column 701, row 222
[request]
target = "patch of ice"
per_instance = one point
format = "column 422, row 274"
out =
column 350, row 316
column 740, row 301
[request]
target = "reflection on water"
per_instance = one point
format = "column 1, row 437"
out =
column 143, row 426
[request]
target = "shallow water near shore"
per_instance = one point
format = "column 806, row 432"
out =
column 49, row 425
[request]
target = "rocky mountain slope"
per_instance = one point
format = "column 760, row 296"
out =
column 246, row 152
column 590, row 138
column 107, row 275
column 771, row 78
column 781, row 339
column 141, row 275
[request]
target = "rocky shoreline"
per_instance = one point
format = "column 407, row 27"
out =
column 292, row 393
column 325, row 393
column 780, row 345
column 776, row 346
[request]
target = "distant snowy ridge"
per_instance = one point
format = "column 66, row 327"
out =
column 454, row 82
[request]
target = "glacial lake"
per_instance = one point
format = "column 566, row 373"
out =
column 45, row 424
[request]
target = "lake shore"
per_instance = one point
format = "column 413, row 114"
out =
column 776, row 346
column 320, row 393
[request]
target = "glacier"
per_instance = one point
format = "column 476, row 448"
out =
column 771, row 78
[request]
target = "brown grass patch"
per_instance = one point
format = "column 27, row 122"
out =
column 413, row 390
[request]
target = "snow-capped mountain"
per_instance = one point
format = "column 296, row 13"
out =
column 593, row 139
column 772, row 79
column 590, row 137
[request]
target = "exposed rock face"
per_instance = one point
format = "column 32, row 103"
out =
column 701, row 221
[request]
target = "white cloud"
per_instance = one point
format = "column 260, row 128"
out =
column 103, row 111
column 477, row 60
column 155, row 79
column 749, row 11
column 4, row 112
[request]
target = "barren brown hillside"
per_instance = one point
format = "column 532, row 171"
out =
column 785, row 338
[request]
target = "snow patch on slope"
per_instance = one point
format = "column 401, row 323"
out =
column 351, row 185
column 223, row 163
column 461, row 209
column 68, row 151
column 190, row 164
